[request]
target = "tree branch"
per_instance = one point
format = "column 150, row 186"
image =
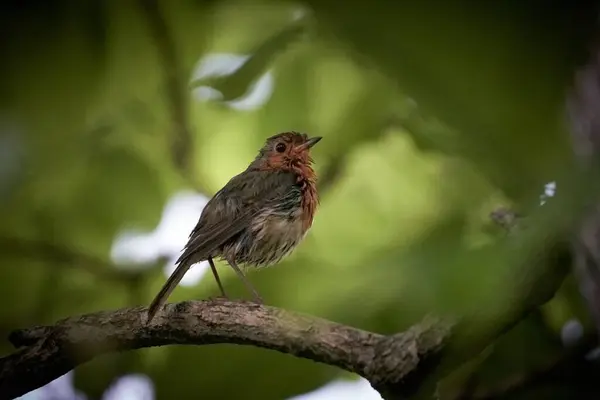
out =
column 584, row 123
column 48, row 352
column 176, row 91
column 398, row 366
column 174, row 84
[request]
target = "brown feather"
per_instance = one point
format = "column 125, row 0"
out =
column 259, row 216
column 202, row 244
column 166, row 290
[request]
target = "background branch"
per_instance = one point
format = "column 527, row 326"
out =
column 584, row 123
column 69, row 258
column 176, row 88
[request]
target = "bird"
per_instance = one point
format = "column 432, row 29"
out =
column 259, row 217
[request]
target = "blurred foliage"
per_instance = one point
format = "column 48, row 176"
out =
column 433, row 115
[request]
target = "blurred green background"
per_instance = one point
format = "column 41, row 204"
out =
column 433, row 115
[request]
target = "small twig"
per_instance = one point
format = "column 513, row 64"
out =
column 261, row 57
column 506, row 218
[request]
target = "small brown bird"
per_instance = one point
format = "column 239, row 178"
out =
column 257, row 218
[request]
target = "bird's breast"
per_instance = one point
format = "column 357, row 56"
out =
column 270, row 237
column 273, row 227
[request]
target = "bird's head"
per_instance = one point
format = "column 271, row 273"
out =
column 286, row 150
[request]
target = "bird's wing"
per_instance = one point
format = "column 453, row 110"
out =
column 227, row 214
column 232, row 209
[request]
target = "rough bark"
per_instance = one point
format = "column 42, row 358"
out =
column 391, row 363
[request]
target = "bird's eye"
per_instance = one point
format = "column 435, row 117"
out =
column 280, row 147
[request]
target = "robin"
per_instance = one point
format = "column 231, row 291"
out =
column 257, row 218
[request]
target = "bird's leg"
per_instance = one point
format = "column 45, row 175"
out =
column 214, row 271
column 249, row 286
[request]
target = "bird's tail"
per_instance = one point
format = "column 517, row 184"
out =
column 168, row 287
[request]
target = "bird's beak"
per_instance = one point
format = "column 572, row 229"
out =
column 309, row 143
